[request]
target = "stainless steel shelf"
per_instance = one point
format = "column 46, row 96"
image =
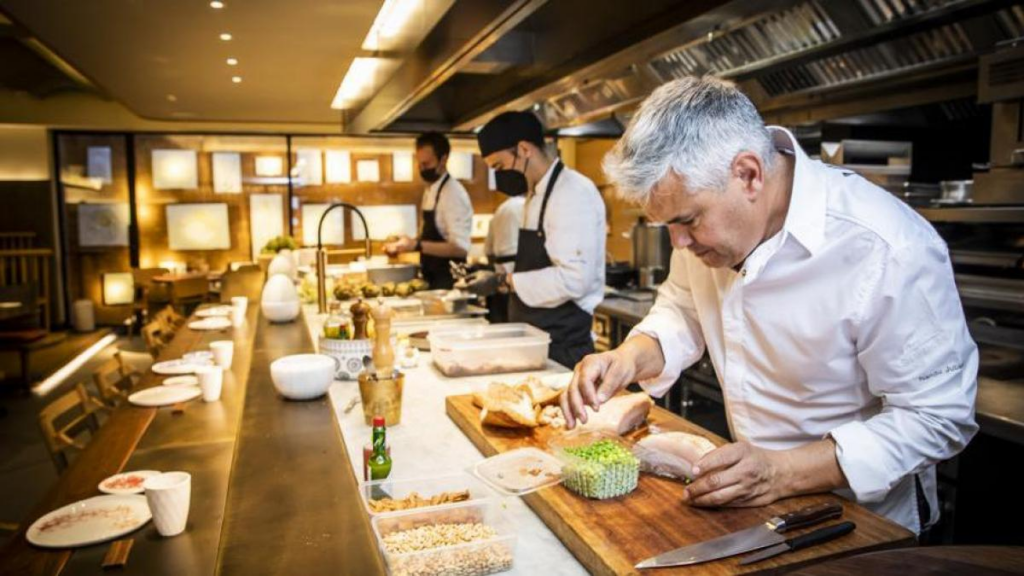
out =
column 975, row 214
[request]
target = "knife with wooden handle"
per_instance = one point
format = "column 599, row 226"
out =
column 819, row 536
column 754, row 538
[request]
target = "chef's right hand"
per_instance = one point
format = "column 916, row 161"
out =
column 596, row 378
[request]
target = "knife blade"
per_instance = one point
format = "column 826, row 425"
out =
column 746, row 540
column 819, row 536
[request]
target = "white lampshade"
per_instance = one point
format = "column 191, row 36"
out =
column 118, row 288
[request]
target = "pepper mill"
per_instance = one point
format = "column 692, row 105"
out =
column 360, row 316
column 383, row 353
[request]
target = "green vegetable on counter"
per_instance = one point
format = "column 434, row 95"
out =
column 601, row 470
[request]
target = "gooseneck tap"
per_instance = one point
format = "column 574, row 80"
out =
column 321, row 253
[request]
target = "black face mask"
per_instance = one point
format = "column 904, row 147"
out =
column 512, row 182
column 430, row 175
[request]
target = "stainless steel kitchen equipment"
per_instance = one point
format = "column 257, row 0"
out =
column 652, row 251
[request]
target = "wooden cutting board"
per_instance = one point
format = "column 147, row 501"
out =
column 612, row 536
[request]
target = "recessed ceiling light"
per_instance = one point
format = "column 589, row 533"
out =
column 232, row 61
column 236, row 79
column 225, row 36
column 172, row 98
column 216, row 4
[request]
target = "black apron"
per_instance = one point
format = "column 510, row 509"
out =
column 497, row 303
column 436, row 270
column 568, row 325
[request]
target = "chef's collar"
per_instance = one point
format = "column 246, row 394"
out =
column 542, row 184
column 805, row 219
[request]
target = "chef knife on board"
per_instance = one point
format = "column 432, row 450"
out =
column 819, row 536
column 757, row 537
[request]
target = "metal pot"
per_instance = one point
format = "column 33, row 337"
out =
column 652, row 245
column 381, row 274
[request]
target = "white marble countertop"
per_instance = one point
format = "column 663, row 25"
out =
column 427, row 443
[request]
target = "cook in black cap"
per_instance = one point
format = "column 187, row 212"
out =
column 558, row 277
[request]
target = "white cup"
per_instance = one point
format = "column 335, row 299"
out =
column 237, row 317
column 211, row 381
column 223, row 352
column 169, row 495
column 239, row 303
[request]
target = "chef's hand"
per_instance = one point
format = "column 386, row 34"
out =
column 402, row 244
column 737, row 475
column 596, row 378
column 482, row 283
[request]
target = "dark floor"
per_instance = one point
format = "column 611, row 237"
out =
column 26, row 470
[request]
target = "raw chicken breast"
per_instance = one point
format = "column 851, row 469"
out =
column 620, row 414
column 672, row 454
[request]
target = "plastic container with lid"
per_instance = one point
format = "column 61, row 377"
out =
column 491, row 349
column 425, row 488
column 519, row 472
column 475, row 558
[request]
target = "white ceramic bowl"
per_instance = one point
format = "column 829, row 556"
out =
column 303, row 376
column 280, row 311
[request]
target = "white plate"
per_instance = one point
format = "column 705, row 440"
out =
column 90, row 521
column 164, row 395
column 187, row 380
column 174, row 367
column 215, row 323
column 214, row 311
column 136, row 477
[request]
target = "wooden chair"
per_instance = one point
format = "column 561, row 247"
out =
column 112, row 384
column 64, row 421
column 152, row 335
column 127, row 371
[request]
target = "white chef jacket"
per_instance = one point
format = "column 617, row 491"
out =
column 453, row 213
column 503, row 232
column 574, row 228
column 845, row 323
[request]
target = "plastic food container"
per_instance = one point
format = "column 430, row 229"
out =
column 425, row 488
column 611, row 470
column 521, row 471
column 492, row 349
column 476, row 558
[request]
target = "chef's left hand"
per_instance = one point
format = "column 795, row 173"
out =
column 737, row 475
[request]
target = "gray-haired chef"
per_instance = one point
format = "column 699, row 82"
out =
column 559, row 267
column 827, row 305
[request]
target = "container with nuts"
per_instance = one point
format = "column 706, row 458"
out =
column 467, row 539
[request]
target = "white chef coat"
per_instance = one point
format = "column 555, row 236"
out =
column 574, row 229
column 845, row 323
column 503, row 232
column 453, row 213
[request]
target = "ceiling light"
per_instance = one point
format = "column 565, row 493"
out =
column 216, row 4
column 172, row 98
column 225, row 36
column 236, row 79
column 232, row 61
column 360, row 81
column 394, row 18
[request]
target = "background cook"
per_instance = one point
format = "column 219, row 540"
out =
column 447, row 215
column 828, row 308
column 559, row 267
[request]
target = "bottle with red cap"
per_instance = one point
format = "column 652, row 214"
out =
column 380, row 459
